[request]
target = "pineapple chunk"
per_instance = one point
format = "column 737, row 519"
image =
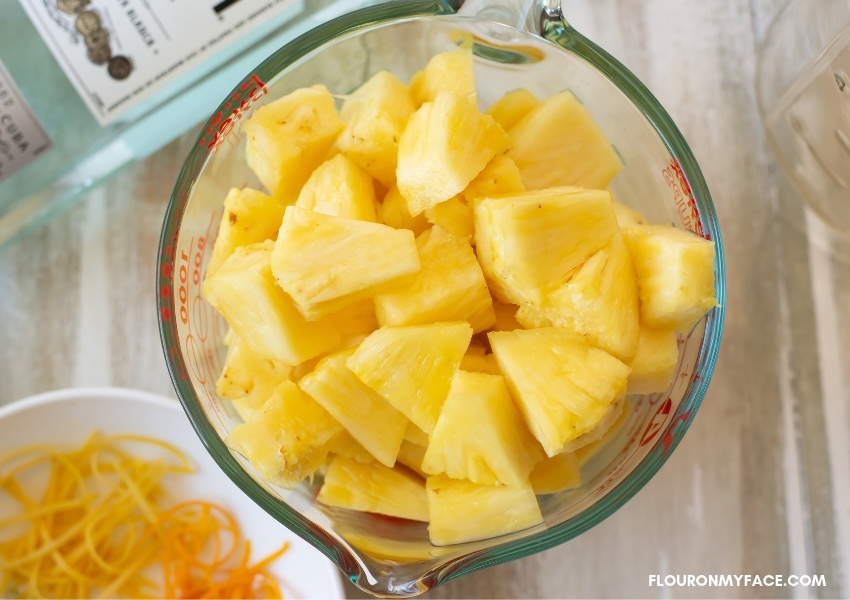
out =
column 374, row 488
column 288, row 439
column 454, row 215
column 290, row 137
column 556, row 474
column 450, row 287
column 244, row 292
column 512, row 107
column 627, row 216
column 675, row 275
column 339, row 187
column 529, row 242
column 375, row 114
column 563, row 385
column 598, row 432
column 448, row 71
column 654, row 363
column 506, row 317
column 326, row 263
column 411, row 455
column 480, row 363
column 412, row 367
column 393, row 212
column 599, row 301
column 500, row 176
column 355, row 319
column 248, row 217
column 462, row 511
column 480, row 434
column 248, row 379
column 414, row 435
column 558, row 143
column 446, row 143
column 345, row 445
column 367, row 416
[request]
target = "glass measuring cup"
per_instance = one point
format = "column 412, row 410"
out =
column 516, row 44
column 804, row 99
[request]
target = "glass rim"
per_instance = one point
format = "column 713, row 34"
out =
column 562, row 34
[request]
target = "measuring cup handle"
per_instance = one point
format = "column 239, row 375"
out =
column 527, row 15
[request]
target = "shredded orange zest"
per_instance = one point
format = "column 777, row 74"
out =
column 95, row 526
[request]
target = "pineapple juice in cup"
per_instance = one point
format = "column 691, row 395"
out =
column 516, row 45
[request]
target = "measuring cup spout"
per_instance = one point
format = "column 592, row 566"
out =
column 527, row 15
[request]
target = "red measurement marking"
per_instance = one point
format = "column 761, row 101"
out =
column 222, row 123
column 657, row 422
column 668, row 437
column 683, row 196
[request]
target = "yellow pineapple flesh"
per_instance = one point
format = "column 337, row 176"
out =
column 414, row 435
column 512, row 107
column 375, row 115
column 500, row 176
column 654, row 363
column 345, row 445
column 454, row 215
column 411, row 455
column 450, row 71
column 375, row 488
column 288, row 138
column 558, row 143
column 461, row 511
column 481, row 435
column 628, row 216
column 393, row 212
column 247, row 379
column 249, row 216
column 355, row 319
column 528, row 243
column 288, row 439
column 599, row 301
column 412, row 367
column 244, row 291
column 449, row 287
column 341, row 188
column 364, row 413
column 556, row 474
column 611, row 416
column 675, row 275
column 446, row 143
column 563, row 385
column 326, row 263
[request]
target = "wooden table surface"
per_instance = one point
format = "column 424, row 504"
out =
column 760, row 484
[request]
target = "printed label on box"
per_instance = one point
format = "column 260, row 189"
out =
column 22, row 138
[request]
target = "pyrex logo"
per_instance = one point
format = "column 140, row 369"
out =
column 220, row 126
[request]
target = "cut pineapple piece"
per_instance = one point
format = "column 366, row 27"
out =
column 248, row 217
column 244, row 292
column 355, row 319
column 675, row 274
column 288, row 138
column 480, row 434
column 365, row 414
column 513, row 106
column 506, row 317
column 393, row 212
column 480, row 363
column 446, row 143
column 558, row 143
column 449, row 287
column 598, row 432
column 453, row 215
column 341, row 188
column 412, row 367
column 374, row 488
column 585, row 453
column 556, row 474
column 528, row 243
column 375, row 115
column 248, row 379
column 326, row 263
column 654, row 363
column 411, row 455
column 563, row 385
column 462, row 511
column 288, row 439
column 599, row 301
column 414, row 435
column 627, row 216
column 345, row 445
column 448, row 71
column 500, row 176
